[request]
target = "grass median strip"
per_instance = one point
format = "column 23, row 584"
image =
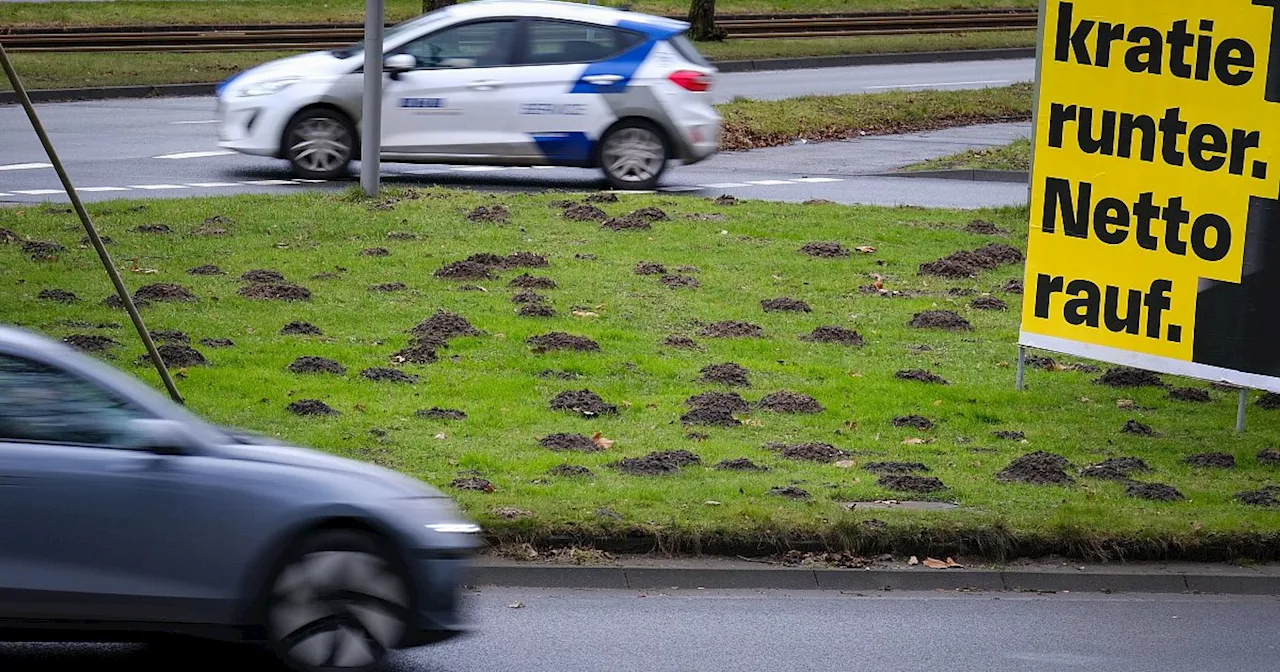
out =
column 1013, row 156
column 749, row 372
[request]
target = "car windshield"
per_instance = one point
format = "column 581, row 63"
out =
column 412, row 24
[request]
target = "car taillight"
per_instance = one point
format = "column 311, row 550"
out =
column 691, row 80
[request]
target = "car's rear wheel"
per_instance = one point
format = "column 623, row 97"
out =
column 633, row 155
column 319, row 144
column 339, row 602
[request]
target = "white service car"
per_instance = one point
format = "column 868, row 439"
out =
column 491, row 82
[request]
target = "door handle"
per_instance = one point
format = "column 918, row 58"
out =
column 602, row 80
column 486, row 84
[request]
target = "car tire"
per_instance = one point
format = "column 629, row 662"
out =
column 338, row 602
column 633, row 155
column 319, row 144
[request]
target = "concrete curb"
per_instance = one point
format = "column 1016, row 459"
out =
column 1219, row 581
column 1010, row 176
column 759, row 65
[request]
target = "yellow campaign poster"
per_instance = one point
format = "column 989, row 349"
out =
column 1155, row 192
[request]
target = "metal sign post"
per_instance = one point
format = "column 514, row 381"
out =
column 371, row 138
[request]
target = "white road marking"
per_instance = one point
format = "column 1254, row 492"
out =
column 195, row 155
column 816, row 180
column 679, row 189
column 299, row 179
column 210, row 185
column 3, row 195
column 270, row 183
column 933, row 84
column 770, row 183
column 187, row 123
column 37, row 192
column 26, row 166
column 96, row 189
column 725, row 185
column 156, row 187
column 477, row 169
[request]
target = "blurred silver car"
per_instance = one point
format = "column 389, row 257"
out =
column 122, row 515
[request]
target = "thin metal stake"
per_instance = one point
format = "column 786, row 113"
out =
column 92, row 232
column 1244, row 401
column 1022, row 365
column 371, row 139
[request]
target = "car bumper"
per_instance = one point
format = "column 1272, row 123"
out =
column 439, row 585
column 249, row 128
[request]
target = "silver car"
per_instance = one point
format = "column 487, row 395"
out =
column 123, row 515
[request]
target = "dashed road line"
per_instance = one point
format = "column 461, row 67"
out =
column 816, row 180
column 156, row 187
column 725, row 185
column 195, row 155
column 37, row 192
column 770, row 183
column 212, row 185
column 270, row 183
column 25, row 166
column 98, row 189
column 190, row 123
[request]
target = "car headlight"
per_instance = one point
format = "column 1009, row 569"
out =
column 268, row 87
column 454, row 528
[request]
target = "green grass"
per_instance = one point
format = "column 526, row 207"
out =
column 733, row 50
column 130, row 12
column 764, row 123
column 1014, row 156
column 748, row 256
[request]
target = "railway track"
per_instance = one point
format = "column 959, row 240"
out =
column 315, row 37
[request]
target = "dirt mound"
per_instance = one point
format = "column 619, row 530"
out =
column 1012, row 287
column 8, row 237
column 728, row 400
column 217, row 342
column 206, row 269
column 153, row 228
column 442, row 327
column 276, row 291
column 680, row 281
column 656, row 464
column 821, row 250
column 380, row 374
column 1137, row 428
column 652, row 214
column 785, row 305
column 1038, row 468
column 1212, row 460
column 910, row 483
column 740, row 464
column 1000, row 254
column 310, row 407
column 375, row 252
column 785, row 401
column 989, row 303
column 310, row 364
column 526, row 260
column 834, row 334
column 57, row 296
column 680, row 342
column 536, row 310
column 725, row 199
column 939, row 319
column 569, row 470
column 584, row 402
column 89, row 342
column 819, row 201
column 732, row 329
column 1193, row 394
column 527, row 281
column 725, row 374
column 580, row 212
column 920, row 375
column 1123, row 376
column 402, row 235
column 600, row 198
column 558, row 340
column 262, row 275
column 106, row 240
column 1116, row 468
column 916, row 421
column 389, row 287
column 42, row 250
column 894, row 467
column 650, row 268
column 418, row 352
column 627, row 223
column 1156, row 492
column 812, row 452
column 163, row 291
column 528, row 296
column 558, row 375
column 1269, row 457
column 791, row 492
column 961, row 291
column 1268, row 496
column 170, row 336
column 1009, row 435
column 473, row 483
column 296, row 328
column 1269, row 401
column 569, row 442
column 177, row 356
column 434, row 413
column 464, row 270
column 965, row 264
column 710, row 416
column 489, row 213
column 114, row 301
column 984, row 228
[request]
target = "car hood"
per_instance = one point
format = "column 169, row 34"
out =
column 314, row 64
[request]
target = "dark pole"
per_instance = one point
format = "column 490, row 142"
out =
column 121, row 290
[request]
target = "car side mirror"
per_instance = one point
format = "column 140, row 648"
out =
column 398, row 64
column 162, row 437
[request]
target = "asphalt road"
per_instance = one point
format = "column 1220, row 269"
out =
column 167, row 147
column 739, row 631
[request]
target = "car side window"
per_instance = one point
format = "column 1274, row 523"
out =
column 553, row 42
column 472, row 45
column 39, row 403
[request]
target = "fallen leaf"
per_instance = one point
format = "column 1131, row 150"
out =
column 776, row 277
column 937, row 402
column 1086, row 400
column 516, row 605
column 913, row 561
column 845, row 464
column 915, row 441
column 441, row 436
column 852, row 424
column 360, row 407
column 711, row 502
column 934, row 563
column 865, row 249
column 752, row 422
column 601, row 441
column 953, row 563
column 1124, row 403
column 1003, row 365
column 855, row 374
column 1197, row 526
column 585, row 313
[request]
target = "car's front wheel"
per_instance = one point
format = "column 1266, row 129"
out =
column 339, row 602
column 633, row 156
column 319, row 144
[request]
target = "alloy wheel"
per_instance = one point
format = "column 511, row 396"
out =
column 633, row 155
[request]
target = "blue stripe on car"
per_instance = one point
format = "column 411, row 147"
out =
column 573, row 147
column 624, row 65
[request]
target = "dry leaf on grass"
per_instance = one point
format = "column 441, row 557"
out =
column 1124, row 403
column 865, row 249
column 934, row 563
column 916, row 442
column 600, row 440
column 913, row 561
column 711, row 502
column 585, row 313
column 845, row 464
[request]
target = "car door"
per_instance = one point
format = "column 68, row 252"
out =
column 92, row 530
column 557, row 101
column 446, row 105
